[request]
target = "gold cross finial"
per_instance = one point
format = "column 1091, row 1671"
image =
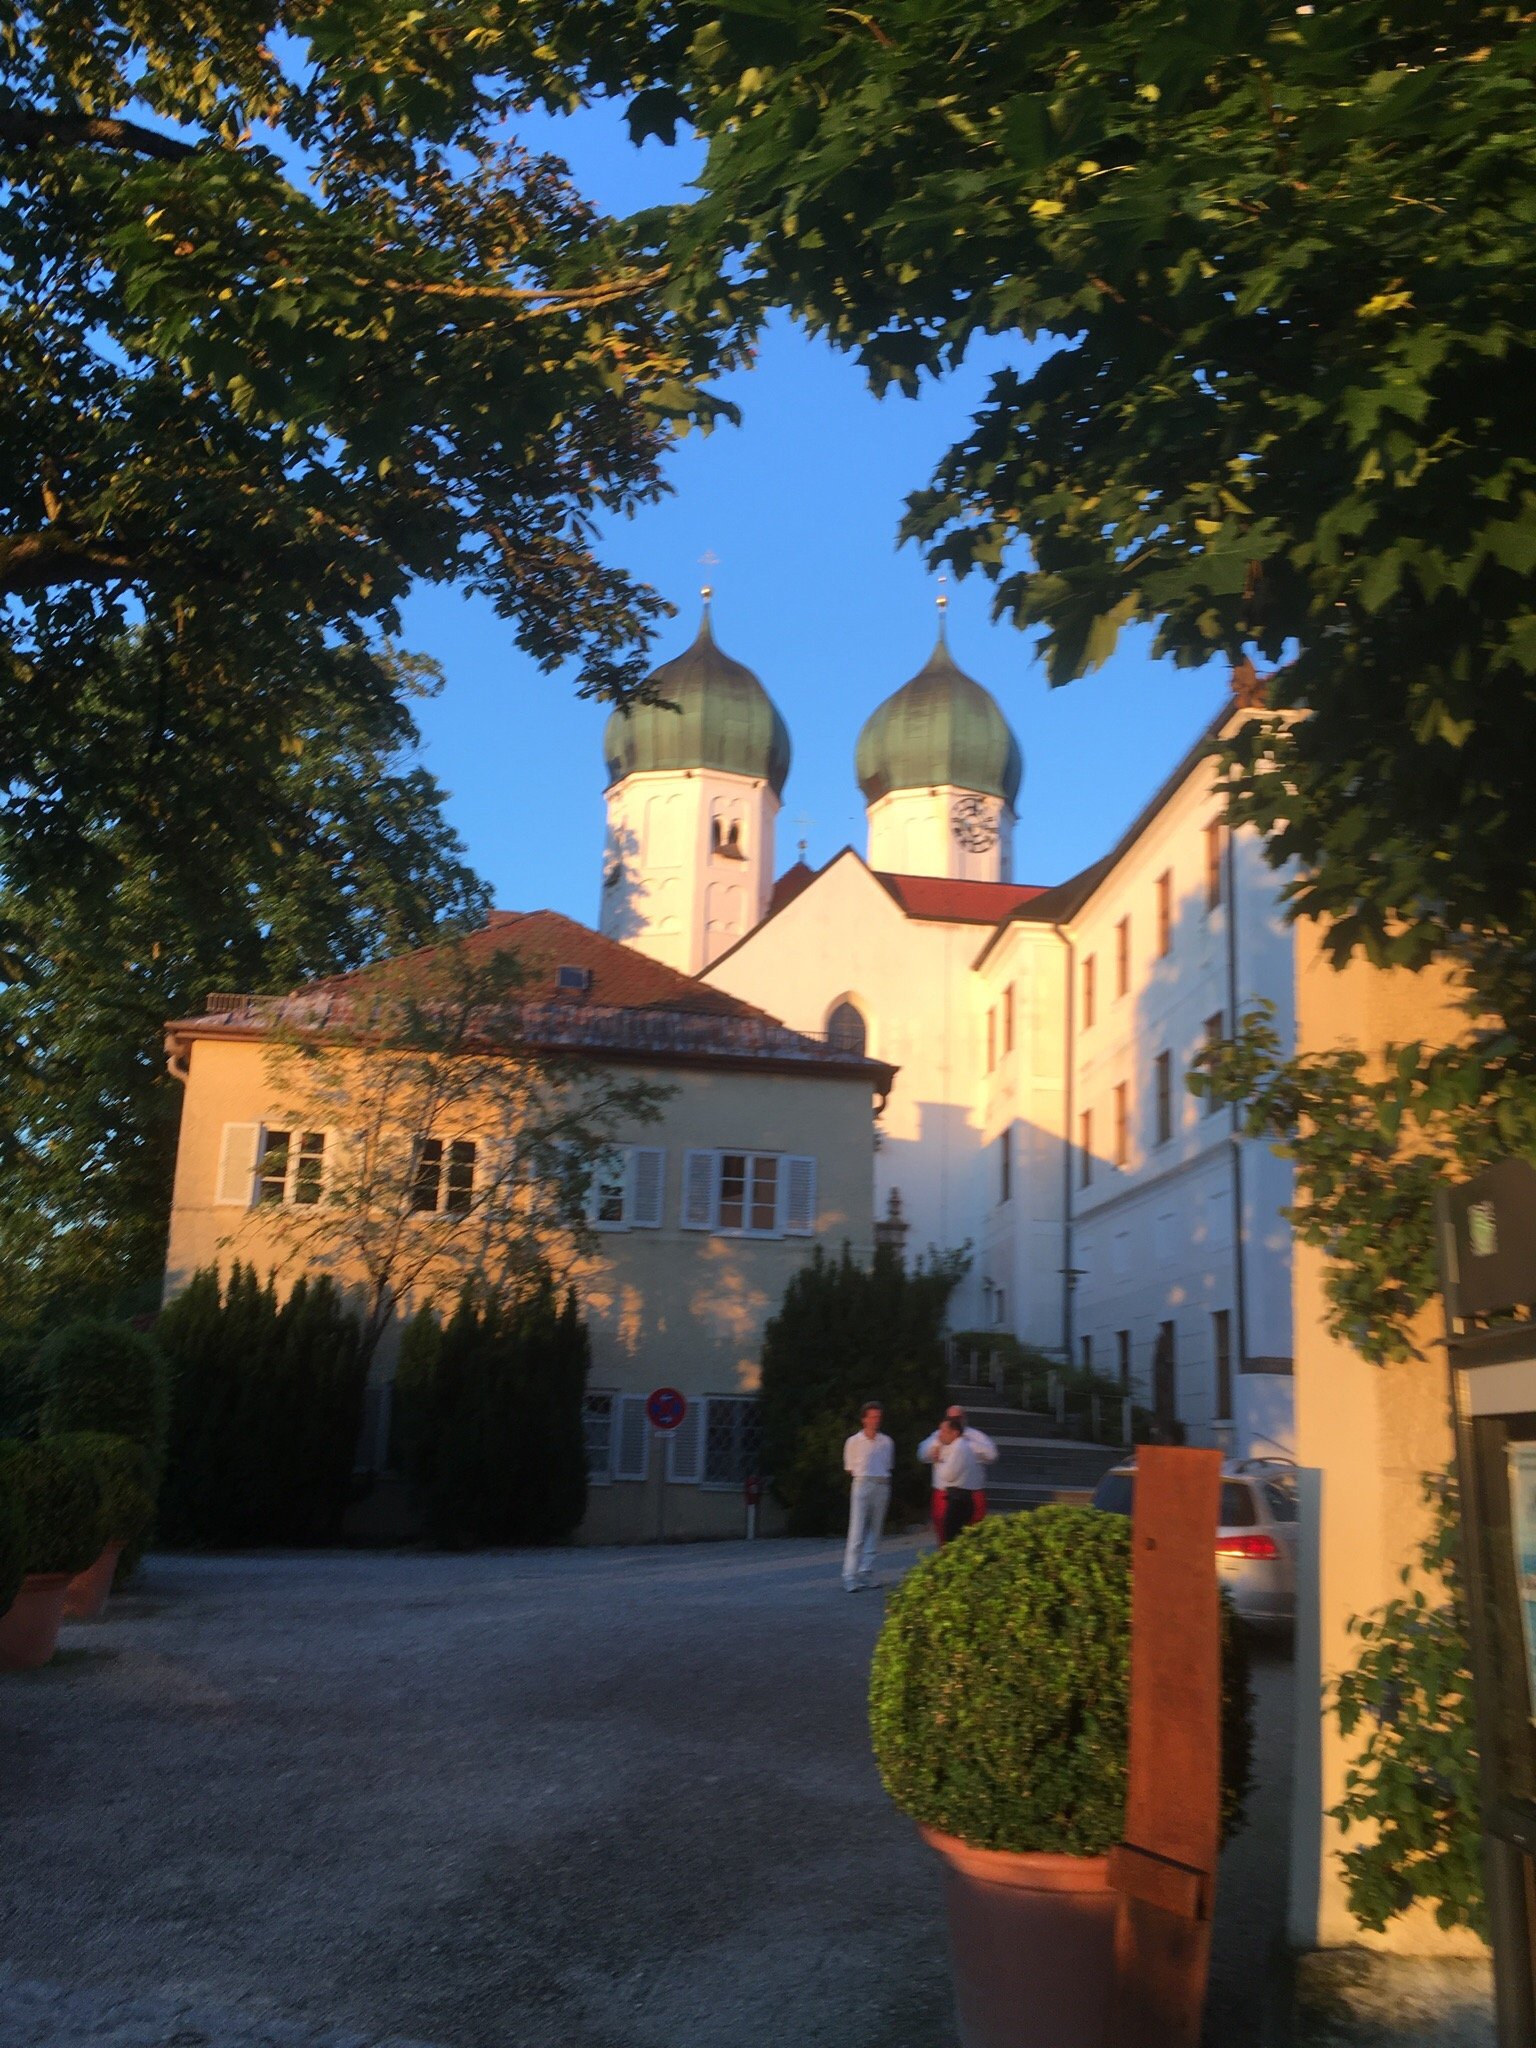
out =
column 707, row 561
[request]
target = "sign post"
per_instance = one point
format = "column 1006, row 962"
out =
column 1165, row 1869
column 665, row 1409
column 1488, row 1272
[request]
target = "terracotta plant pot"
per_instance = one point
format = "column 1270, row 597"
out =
column 1031, row 1943
column 29, row 1631
column 86, row 1599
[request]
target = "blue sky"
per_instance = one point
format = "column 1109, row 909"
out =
column 800, row 506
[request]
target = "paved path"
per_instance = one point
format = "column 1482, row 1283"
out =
column 579, row 1799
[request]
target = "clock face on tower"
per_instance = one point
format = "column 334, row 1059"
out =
column 972, row 823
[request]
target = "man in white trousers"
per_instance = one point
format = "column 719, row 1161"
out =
column 869, row 1457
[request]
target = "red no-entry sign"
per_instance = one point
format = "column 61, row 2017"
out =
column 665, row 1408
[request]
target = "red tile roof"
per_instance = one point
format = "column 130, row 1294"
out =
column 634, row 1007
column 622, row 978
column 951, row 902
column 789, row 885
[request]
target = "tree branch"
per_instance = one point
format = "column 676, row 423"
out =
column 575, row 298
column 35, row 561
column 23, row 128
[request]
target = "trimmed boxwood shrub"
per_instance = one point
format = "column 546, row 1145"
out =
column 59, row 1492
column 122, row 1469
column 108, row 1379
column 1000, row 1687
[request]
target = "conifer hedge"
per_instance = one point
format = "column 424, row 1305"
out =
column 266, row 1410
column 488, row 1417
column 847, row 1334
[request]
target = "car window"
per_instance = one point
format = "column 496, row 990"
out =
column 1115, row 1493
column 1238, row 1508
column 1281, row 1495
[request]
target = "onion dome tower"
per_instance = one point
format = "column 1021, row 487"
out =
column 940, row 770
column 694, row 782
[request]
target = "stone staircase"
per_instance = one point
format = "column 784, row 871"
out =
column 1036, row 1461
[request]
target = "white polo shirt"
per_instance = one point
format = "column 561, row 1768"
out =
column 869, row 1457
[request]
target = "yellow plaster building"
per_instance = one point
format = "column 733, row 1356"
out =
column 764, row 1148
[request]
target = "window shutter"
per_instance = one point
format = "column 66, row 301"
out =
column 648, row 1180
column 684, row 1446
column 799, row 1196
column 634, row 1438
column 698, row 1190
column 236, row 1183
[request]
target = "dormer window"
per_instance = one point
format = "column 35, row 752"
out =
column 573, row 980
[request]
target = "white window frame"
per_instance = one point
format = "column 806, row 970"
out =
column 624, row 1406
column 605, row 1475
column 785, row 1168
column 256, row 1136
column 440, row 1208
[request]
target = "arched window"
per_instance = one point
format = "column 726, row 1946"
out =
column 846, row 1030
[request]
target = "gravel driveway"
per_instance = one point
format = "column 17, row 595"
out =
column 575, row 1799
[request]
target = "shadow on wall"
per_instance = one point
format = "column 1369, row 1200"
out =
column 620, row 912
column 702, row 1322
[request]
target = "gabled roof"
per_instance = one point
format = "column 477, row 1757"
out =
column 633, row 1008
column 931, row 899
column 789, row 885
column 1061, row 904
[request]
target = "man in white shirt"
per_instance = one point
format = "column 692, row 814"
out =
column 869, row 1457
column 985, row 1450
column 957, row 1469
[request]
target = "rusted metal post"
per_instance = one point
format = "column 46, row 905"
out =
column 1165, row 1869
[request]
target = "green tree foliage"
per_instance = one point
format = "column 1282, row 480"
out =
column 126, row 1477
column 1273, row 277
column 846, row 1334
column 266, row 1410
column 57, row 1487
column 488, row 1417
column 1370, row 1140
column 1000, row 1688
column 221, row 873
column 1411, row 1791
column 288, row 323
column 108, row 1379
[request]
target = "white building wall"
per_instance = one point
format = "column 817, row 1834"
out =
column 1020, row 1242
column 1156, row 1238
column 689, row 863
column 844, row 940
column 912, row 832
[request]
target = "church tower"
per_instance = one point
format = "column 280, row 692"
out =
column 940, row 771
column 694, row 783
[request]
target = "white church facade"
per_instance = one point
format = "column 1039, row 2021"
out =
column 1041, row 1034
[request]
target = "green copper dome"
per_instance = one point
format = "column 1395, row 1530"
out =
column 941, row 730
column 724, row 719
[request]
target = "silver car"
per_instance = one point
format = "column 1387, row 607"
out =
column 1255, row 1535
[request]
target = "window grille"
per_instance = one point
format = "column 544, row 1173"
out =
column 732, row 1439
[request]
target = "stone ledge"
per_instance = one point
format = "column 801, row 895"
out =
column 1360, row 1998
